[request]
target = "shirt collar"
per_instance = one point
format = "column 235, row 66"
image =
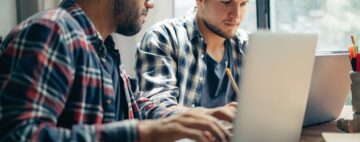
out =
column 91, row 32
column 191, row 24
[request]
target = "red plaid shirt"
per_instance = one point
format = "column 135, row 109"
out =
column 54, row 87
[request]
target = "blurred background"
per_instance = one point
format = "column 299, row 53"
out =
column 333, row 20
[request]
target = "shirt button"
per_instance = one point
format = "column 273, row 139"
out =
column 202, row 56
column 109, row 101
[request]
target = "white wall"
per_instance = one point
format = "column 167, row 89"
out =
column 7, row 16
column 8, row 13
column 127, row 45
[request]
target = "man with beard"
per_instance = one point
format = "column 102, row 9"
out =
column 181, row 62
column 61, row 80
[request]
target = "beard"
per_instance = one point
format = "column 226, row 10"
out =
column 131, row 27
column 127, row 17
column 216, row 30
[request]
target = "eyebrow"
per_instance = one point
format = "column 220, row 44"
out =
column 232, row 0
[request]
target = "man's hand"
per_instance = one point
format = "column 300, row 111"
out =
column 191, row 124
column 226, row 112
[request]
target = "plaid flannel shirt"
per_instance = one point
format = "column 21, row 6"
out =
column 54, row 87
column 170, row 64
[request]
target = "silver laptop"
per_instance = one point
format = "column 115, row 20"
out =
column 329, row 87
column 274, row 87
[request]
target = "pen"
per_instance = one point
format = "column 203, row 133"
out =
column 352, row 57
column 232, row 81
column 357, row 62
column 354, row 44
column 357, row 54
column 353, row 54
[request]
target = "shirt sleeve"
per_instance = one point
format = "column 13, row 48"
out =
column 36, row 75
column 156, row 68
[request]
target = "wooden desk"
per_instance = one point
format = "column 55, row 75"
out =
column 313, row 133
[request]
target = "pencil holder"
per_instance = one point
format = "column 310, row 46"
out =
column 354, row 124
column 355, row 92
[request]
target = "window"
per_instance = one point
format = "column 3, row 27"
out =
column 333, row 20
column 250, row 20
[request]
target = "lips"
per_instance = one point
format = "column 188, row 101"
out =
column 231, row 24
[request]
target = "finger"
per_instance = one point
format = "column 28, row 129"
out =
column 208, row 119
column 232, row 109
column 195, row 134
column 224, row 125
column 233, row 104
column 229, row 126
column 206, row 122
column 224, row 136
column 224, row 114
column 205, row 125
column 209, row 136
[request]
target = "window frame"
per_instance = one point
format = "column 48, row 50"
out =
column 264, row 21
column 263, row 14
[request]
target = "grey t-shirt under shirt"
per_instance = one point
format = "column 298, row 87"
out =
column 217, row 91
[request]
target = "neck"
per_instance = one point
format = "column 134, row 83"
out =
column 212, row 39
column 214, row 44
column 100, row 15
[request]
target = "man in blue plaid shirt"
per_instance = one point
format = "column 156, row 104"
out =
column 181, row 62
column 61, row 79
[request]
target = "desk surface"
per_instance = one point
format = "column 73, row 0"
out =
column 313, row 133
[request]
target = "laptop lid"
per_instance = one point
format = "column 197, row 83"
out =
column 329, row 88
column 274, row 87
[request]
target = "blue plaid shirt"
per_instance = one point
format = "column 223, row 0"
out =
column 170, row 63
column 54, row 85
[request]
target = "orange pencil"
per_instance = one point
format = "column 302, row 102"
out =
column 232, row 81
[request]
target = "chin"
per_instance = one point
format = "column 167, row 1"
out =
column 232, row 33
column 129, row 30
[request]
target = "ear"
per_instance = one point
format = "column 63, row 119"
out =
column 200, row 3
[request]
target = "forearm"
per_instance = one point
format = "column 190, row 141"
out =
column 125, row 131
column 150, row 110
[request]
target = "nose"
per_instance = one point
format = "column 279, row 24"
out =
column 149, row 4
column 236, row 11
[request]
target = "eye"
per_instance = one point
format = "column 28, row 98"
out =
column 244, row 4
column 226, row 2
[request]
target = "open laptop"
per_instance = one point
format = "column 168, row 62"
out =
column 329, row 88
column 274, row 87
